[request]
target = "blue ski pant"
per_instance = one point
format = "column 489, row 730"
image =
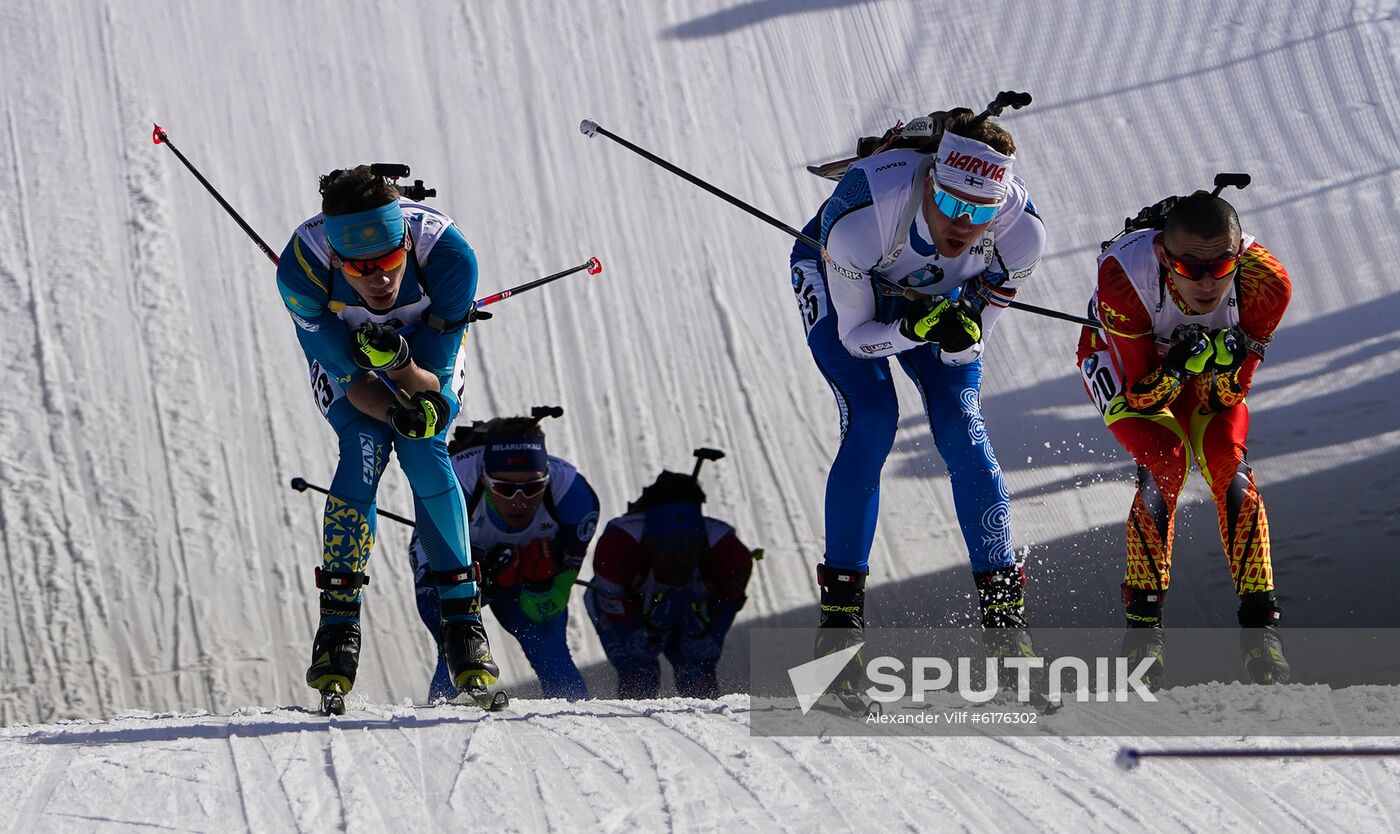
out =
column 438, row 503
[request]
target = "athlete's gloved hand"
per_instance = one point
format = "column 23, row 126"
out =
column 378, row 347
column 425, row 416
column 663, row 608
column 1191, row 351
column 955, row 326
column 1228, row 344
column 545, row 604
column 492, row 562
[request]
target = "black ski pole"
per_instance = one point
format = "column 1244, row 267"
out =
column 300, row 485
column 159, row 136
column 1129, row 758
column 590, row 128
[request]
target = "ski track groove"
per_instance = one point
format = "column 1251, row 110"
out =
column 150, row 254
column 814, row 778
column 672, row 721
column 333, row 772
column 778, row 473
column 35, row 807
column 52, row 398
column 286, row 809
column 665, row 788
column 237, row 779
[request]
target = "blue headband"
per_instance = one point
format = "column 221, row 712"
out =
column 366, row 233
column 516, row 454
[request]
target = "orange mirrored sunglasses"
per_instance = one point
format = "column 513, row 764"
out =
column 361, row 267
column 1196, row 270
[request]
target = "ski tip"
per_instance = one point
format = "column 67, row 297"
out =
column 595, row 266
column 333, row 700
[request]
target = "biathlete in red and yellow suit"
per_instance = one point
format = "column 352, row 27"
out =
column 1186, row 315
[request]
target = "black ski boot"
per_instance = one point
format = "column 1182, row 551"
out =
column 841, row 626
column 335, row 657
column 1144, row 637
column 468, row 653
column 1006, row 630
column 1260, row 643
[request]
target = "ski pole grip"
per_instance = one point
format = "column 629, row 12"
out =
column 594, row 266
column 299, row 484
column 588, row 127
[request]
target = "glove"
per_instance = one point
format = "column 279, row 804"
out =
column 662, row 610
column 1229, row 349
column 1191, row 351
column 427, row 414
column 492, row 562
column 544, row 605
column 378, row 347
column 955, row 326
column 698, row 620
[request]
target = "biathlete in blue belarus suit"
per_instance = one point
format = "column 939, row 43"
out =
column 531, row 516
column 382, row 287
column 923, row 249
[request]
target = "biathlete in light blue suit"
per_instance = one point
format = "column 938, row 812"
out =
column 380, row 290
column 923, row 249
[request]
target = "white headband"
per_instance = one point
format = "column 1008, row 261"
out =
column 973, row 168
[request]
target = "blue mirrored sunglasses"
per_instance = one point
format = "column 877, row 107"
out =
column 954, row 207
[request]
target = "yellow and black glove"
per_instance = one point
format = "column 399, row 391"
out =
column 954, row 325
column 426, row 415
column 378, row 347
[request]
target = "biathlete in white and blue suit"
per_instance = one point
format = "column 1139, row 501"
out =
column 380, row 290
column 923, row 249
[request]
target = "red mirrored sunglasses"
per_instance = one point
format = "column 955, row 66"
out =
column 360, row 267
column 1196, row 270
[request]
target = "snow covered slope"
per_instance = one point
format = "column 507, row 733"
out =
column 671, row 765
column 156, row 404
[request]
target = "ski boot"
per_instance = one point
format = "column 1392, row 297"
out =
column 1260, row 643
column 335, row 657
column 335, row 652
column 1144, row 637
column 1006, row 630
column 469, row 661
column 841, row 626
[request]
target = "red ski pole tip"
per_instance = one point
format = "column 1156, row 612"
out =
column 595, row 266
column 158, row 134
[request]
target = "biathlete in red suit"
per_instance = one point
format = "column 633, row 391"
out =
column 669, row 580
column 1186, row 314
